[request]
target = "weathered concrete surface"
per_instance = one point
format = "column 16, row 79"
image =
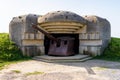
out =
column 101, row 26
column 89, row 70
column 30, row 41
column 20, row 25
column 64, row 16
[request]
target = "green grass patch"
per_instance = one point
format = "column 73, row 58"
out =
column 34, row 73
column 4, row 64
column 100, row 68
column 112, row 52
column 9, row 53
column 16, row 71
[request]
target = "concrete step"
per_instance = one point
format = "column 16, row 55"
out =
column 75, row 58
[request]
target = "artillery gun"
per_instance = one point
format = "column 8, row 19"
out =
column 61, row 46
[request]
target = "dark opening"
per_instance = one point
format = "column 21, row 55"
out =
column 52, row 42
column 65, row 42
column 76, row 41
column 66, row 17
column 58, row 45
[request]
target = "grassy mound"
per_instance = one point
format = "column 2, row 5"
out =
column 112, row 52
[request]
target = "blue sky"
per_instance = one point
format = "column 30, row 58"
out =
column 109, row 9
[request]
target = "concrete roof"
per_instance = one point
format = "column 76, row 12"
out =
column 63, row 16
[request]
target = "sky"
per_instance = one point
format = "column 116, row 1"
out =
column 109, row 9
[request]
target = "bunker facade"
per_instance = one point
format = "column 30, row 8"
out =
column 91, row 33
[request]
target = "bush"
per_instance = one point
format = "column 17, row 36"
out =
column 8, row 51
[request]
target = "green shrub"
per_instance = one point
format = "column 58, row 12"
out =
column 8, row 51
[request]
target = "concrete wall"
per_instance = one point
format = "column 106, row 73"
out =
column 97, row 37
column 16, row 28
column 28, row 39
column 90, row 43
column 33, row 44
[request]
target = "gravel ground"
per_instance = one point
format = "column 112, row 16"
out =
column 89, row 70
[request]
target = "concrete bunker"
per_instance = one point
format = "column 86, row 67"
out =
column 92, row 33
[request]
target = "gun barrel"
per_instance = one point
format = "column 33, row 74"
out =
column 45, row 32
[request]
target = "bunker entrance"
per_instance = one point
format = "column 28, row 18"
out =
column 75, row 46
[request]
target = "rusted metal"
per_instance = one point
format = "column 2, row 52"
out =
column 65, row 48
column 62, row 46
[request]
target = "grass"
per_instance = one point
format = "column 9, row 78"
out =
column 112, row 52
column 100, row 68
column 34, row 73
column 9, row 53
column 4, row 64
column 16, row 71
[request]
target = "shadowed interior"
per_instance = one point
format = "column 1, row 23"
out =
column 76, row 41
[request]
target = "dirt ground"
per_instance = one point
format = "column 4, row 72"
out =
column 88, row 70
